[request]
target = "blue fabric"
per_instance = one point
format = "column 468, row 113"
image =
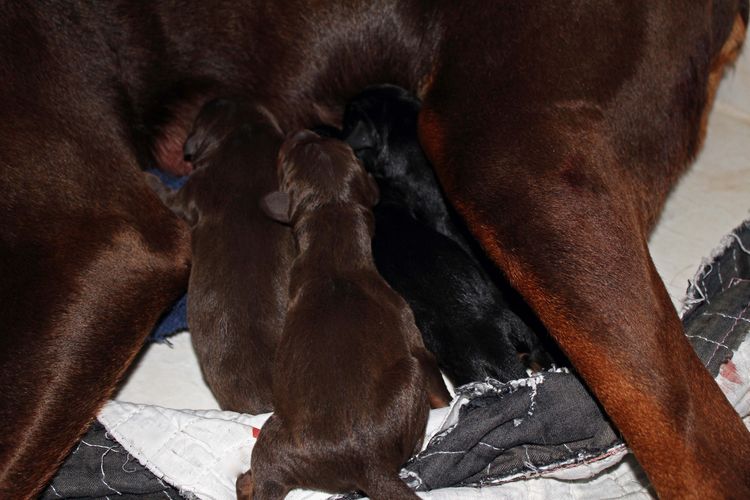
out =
column 174, row 320
column 169, row 180
column 171, row 322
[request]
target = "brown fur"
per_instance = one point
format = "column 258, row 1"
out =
column 90, row 257
column 239, row 281
column 351, row 372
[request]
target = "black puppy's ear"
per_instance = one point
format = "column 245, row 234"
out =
column 375, row 191
column 276, row 206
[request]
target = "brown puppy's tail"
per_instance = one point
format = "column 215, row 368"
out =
column 384, row 486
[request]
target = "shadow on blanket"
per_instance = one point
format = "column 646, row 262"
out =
column 497, row 432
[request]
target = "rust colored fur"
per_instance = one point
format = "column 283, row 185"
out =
column 237, row 294
column 351, row 373
column 556, row 128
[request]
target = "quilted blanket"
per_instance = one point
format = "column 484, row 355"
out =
column 537, row 436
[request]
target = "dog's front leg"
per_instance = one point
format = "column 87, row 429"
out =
column 85, row 275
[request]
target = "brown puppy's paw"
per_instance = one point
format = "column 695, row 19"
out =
column 156, row 185
column 244, row 486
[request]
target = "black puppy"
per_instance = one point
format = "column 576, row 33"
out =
column 424, row 255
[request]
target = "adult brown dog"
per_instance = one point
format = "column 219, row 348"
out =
column 556, row 127
column 239, row 280
column 351, row 373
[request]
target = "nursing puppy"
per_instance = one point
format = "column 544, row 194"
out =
column 237, row 294
column 464, row 318
column 352, row 379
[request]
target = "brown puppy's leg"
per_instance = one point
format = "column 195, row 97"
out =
column 162, row 191
column 89, row 259
column 436, row 390
column 244, row 486
column 267, row 477
column 559, row 169
column 178, row 201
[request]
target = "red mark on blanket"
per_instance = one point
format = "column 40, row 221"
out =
column 256, row 432
column 728, row 370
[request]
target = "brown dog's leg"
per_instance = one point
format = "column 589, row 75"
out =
column 558, row 162
column 89, row 258
column 583, row 264
column 581, row 260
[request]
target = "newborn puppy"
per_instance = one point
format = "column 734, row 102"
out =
column 352, row 378
column 237, row 295
column 464, row 319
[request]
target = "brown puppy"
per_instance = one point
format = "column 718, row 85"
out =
column 556, row 128
column 351, row 372
column 237, row 294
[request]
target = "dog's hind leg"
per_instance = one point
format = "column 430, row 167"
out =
column 582, row 262
column 580, row 258
column 89, row 259
column 559, row 169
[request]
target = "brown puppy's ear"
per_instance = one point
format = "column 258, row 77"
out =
column 276, row 206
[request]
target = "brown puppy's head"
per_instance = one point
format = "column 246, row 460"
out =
column 215, row 122
column 317, row 171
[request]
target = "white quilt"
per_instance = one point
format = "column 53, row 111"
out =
column 202, row 452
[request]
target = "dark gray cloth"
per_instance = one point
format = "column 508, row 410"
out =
column 99, row 467
column 515, row 430
column 718, row 314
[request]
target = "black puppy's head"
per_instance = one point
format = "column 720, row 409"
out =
column 380, row 124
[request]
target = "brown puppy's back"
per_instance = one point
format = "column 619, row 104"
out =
column 237, row 294
column 350, row 379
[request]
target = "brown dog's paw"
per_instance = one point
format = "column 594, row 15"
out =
column 244, row 486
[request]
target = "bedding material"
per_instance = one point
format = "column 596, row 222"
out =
column 546, row 426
